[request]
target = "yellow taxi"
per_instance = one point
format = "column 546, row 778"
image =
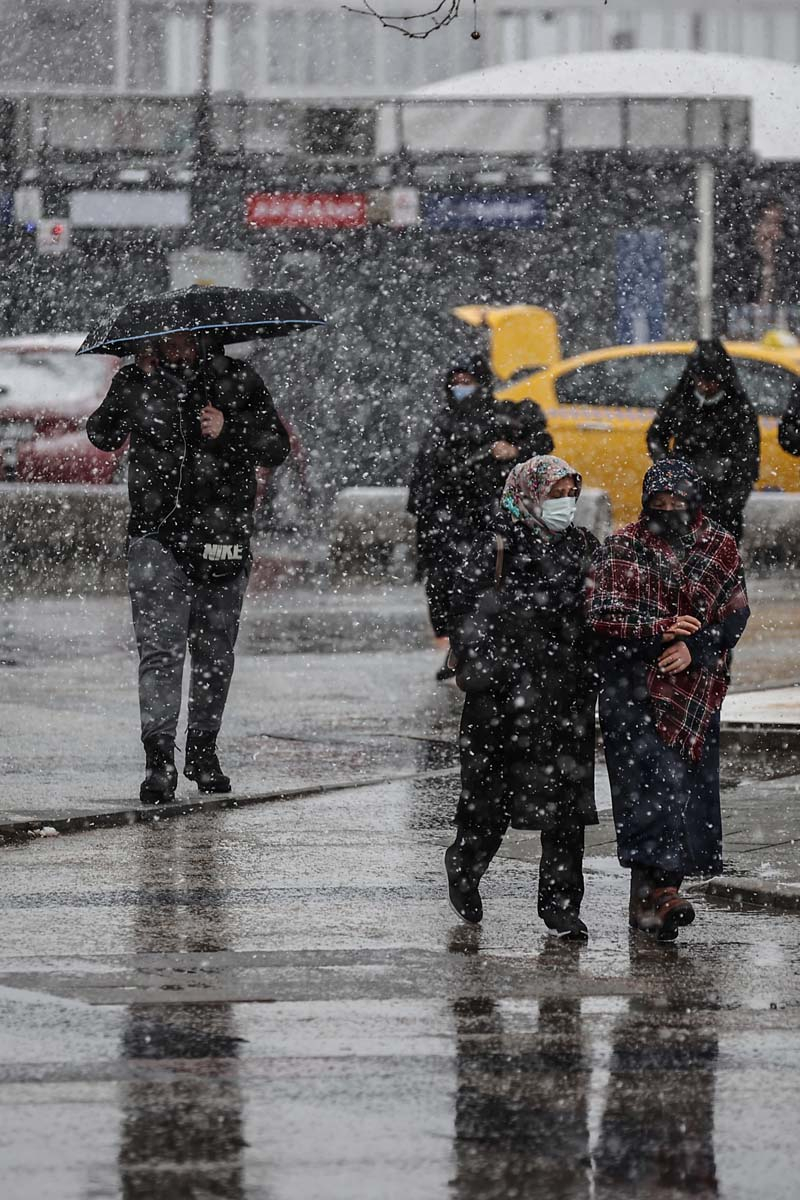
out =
column 599, row 405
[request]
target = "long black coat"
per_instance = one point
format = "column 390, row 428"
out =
column 185, row 489
column 527, row 742
column 789, row 428
column 721, row 441
column 456, row 480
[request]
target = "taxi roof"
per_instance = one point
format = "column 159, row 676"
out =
column 788, row 357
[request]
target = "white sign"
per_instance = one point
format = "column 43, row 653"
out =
column 27, row 205
column 207, row 268
column 404, row 207
column 130, row 209
column 53, row 236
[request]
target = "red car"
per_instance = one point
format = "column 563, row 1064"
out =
column 46, row 394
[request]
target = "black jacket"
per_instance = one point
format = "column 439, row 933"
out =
column 721, row 441
column 543, row 589
column 540, row 659
column 184, row 489
column 456, row 480
column 789, row 428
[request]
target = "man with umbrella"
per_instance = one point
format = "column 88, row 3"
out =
column 199, row 425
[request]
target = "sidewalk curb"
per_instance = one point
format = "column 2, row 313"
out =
column 739, row 737
column 740, row 890
column 16, row 832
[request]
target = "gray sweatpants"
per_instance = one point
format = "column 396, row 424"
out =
column 171, row 613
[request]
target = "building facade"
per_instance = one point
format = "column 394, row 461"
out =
column 317, row 48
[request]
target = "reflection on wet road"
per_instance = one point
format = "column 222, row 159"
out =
column 276, row 1003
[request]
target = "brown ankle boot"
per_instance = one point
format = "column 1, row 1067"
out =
column 657, row 910
column 671, row 911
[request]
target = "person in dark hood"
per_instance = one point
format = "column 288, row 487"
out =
column 667, row 607
column 708, row 421
column 789, row 426
column 459, row 473
column 199, row 425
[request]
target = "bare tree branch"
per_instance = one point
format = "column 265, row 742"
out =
column 438, row 17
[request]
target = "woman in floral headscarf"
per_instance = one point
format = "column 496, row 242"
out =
column 520, row 641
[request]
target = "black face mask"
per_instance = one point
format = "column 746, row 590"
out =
column 670, row 524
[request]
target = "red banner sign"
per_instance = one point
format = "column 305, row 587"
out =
column 314, row 210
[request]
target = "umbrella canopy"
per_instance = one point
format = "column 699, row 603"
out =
column 231, row 314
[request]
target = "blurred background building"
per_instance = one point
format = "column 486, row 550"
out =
column 315, row 48
column 572, row 186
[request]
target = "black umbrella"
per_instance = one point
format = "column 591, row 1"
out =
column 230, row 314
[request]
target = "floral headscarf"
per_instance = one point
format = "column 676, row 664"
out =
column 528, row 484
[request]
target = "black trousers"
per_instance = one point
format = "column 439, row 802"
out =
column 729, row 513
column 439, row 585
column 560, row 868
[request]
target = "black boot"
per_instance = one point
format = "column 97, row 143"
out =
column 201, row 763
column 466, row 862
column 161, row 777
column 465, row 899
column 561, row 882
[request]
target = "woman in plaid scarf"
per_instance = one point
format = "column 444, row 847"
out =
column 668, row 606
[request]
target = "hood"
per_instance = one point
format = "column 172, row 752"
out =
column 710, row 360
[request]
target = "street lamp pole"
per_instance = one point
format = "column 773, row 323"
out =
column 204, row 131
column 704, row 260
column 204, row 150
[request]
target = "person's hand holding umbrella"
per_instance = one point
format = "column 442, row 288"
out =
column 211, row 421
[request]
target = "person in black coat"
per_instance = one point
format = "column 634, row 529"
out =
column 524, row 651
column 199, row 426
column 459, row 472
column 789, row 427
column 708, row 421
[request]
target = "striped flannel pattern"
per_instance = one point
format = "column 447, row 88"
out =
column 640, row 585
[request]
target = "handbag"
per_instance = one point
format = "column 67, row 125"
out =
column 479, row 668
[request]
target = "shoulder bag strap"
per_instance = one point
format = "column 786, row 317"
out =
column 499, row 564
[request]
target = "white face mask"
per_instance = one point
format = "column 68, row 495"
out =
column 463, row 391
column 707, row 401
column 559, row 514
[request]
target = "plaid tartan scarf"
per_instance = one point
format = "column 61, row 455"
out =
column 640, row 585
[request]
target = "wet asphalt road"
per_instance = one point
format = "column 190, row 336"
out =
column 278, row 1003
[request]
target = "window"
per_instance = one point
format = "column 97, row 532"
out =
column 652, row 31
column 182, row 51
column 643, row 381
column 545, row 30
column 146, row 66
column 69, row 45
column 767, row 385
column 786, row 35
column 635, row 382
column 284, row 41
column 512, row 37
